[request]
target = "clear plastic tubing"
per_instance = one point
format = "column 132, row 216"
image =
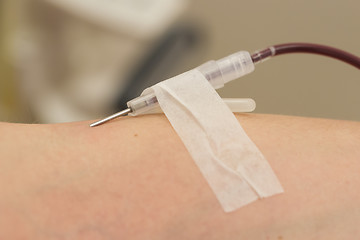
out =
column 218, row 73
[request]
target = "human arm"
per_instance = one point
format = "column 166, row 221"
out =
column 134, row 179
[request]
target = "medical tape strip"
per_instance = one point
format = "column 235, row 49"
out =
column 233, row 166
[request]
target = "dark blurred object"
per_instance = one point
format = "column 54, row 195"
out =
column 175, row 47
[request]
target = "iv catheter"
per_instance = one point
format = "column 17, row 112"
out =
column 233, row 67
column 217, row 73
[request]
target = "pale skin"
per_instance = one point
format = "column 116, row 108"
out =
column 133, row 179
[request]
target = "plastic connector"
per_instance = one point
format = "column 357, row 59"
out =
column 227, row 69
column 142, row 104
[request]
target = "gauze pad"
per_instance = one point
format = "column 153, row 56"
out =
column 233, row 166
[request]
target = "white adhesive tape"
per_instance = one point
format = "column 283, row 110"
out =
column 234, row 167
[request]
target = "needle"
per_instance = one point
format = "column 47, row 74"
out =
column 122, row 113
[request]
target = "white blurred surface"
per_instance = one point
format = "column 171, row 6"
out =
column 73, row 57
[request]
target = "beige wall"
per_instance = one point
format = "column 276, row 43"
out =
column 297, row 84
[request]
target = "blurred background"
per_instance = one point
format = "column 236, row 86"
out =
column 70, row 60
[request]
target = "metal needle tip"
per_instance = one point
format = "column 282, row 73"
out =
column 122, row 113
